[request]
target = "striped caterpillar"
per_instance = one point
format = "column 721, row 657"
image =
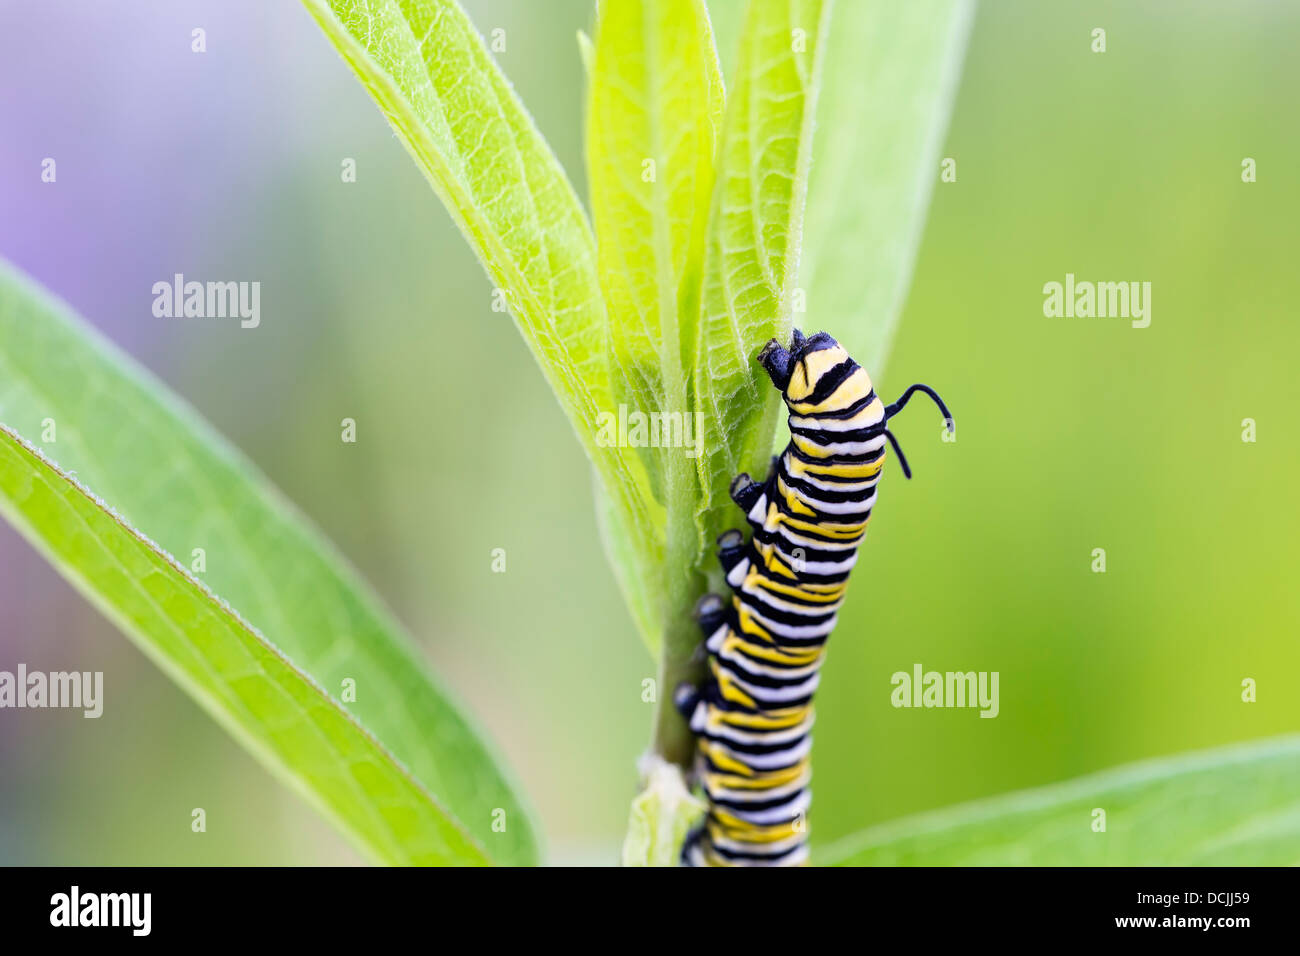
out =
column 753, row 716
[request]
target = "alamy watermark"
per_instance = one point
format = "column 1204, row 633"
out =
column 179, row 299
column 1102, row 300
column 923, row 688
column 129, row 910
column 38, row 689
column 637, row 429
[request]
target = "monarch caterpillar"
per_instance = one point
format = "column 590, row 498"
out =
column 753, row 716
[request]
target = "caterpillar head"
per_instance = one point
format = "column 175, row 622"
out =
column 812, row 371
column 817, row 377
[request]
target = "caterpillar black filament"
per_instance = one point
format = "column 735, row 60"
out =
column 753, row 716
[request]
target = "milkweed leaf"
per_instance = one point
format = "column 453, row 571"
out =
column 431, row 74
column 173, row 480
column 1237, row 806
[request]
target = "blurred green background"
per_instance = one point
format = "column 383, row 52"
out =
column 1073, row 434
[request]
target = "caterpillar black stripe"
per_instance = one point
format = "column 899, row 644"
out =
column 754, row 715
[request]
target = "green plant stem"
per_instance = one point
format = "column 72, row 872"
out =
column 673, row 739
column 690, row 570
column 679, row 660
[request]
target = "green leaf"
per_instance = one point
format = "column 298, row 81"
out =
column 1234, row 806
column 640, row 579
column 431, row 74
column 653, row 114
column 887, row 90
column 661, row 816
column 277, row 711
column 753, row 246
column 655, row 106
column 172, row 478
